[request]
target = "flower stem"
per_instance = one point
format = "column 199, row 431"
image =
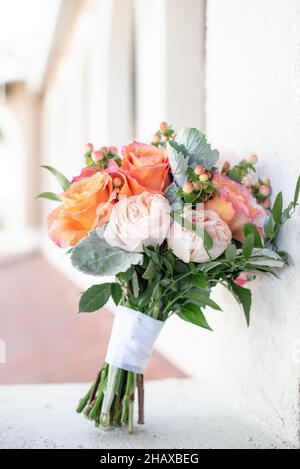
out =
column 125, row 403
column 83, row 402
column 109, row 396
column 140, row 386
column 131, row 404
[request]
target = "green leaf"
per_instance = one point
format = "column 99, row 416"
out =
column 277, row 209
column 151, row 271
column 203, row 300
column 267, row 258
column 248, row 229
column 178, row 162
column 269, row 227
column 180, row 267
column 49, row 196
column 199, row 151
column 62, row 180
column 153, row 255
column 116, row 293
column 297, row 192
column 244, row 296
column 171, row 194
column 193, row 314
column 248, row 246
column 145, row 298
column 126, row 276
column 135, row 285
column 94, row 256
column 211, row 265
column 95, row 298
column 230, row 253
column 199, row 280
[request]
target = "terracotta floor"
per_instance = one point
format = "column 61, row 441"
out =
column 46, row 340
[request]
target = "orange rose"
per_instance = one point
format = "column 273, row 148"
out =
column 236, row 206
column 115, row 171
column 146, row 167
column 86, row 204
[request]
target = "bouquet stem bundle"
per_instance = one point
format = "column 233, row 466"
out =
column 110, row 401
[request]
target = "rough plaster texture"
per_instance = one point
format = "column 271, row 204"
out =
column 179, row 414
column 253, row 105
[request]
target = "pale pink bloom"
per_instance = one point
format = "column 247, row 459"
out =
column 236, row 206
column 138, row 221
column 243, row 278
column 188, row 245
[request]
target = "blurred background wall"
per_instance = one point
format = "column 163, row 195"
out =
column 109, row 70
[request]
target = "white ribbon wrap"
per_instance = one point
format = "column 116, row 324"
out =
column 132, row 339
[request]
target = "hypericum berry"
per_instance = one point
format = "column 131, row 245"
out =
column 197, row 186
column 203, row 178
column 164, row 126
column 156, row 138
column 253, row 159
column 265, row 190
column 246, row 181
column 113, row 150
column 117, row 182
column 267, row 203
column 97, row 156
column 199, row 170
column 88, row 148
column 188, row 188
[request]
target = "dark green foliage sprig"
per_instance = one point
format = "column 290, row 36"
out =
column 163, row 285
column 279, row 216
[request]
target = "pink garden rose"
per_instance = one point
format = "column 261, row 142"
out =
column 138, row 221
column 244, row 278
column 236, row 206
column 85, row 173
column 189, row 246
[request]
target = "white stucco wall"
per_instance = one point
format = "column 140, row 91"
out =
column 253, row 105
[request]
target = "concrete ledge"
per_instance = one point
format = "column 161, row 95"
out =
column 179, row 414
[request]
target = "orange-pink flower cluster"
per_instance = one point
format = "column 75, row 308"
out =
column 236, row 206
column 87, row 203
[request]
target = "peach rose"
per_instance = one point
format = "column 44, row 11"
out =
column 138, row 221
column 147, row 168
column 86, row 205
column 189, row 247
column 236, row 206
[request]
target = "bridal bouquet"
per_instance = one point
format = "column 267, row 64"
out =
column 161, row 225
